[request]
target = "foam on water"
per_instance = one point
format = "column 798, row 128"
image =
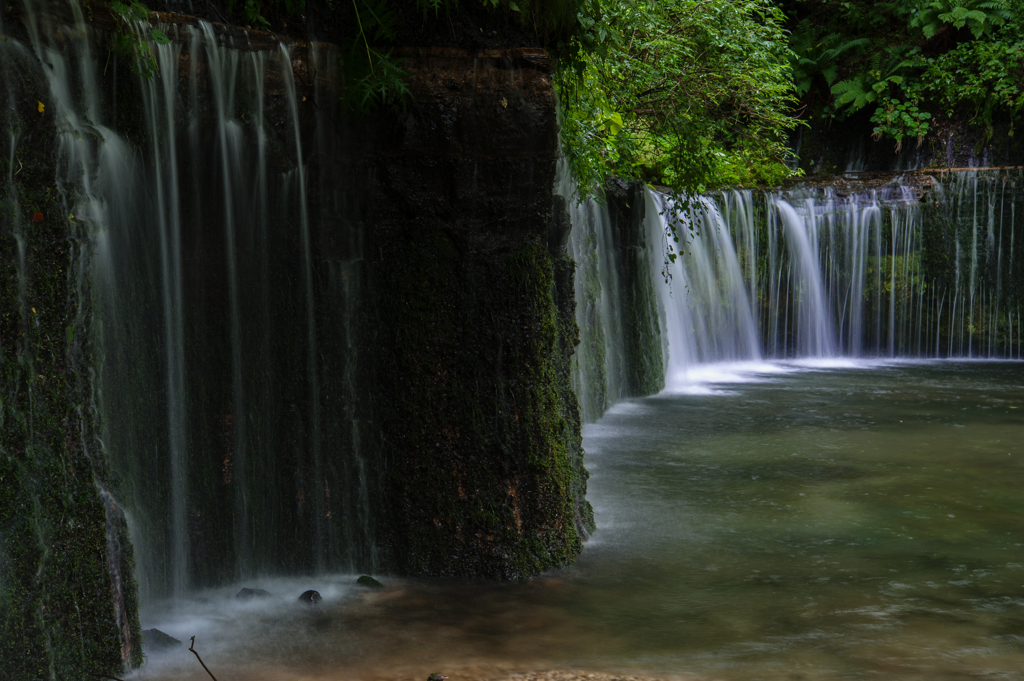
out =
column 225, row 625
column 709, row 379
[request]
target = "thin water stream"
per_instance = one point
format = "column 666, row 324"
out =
column 824, row 520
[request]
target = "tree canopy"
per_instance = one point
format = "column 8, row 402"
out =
column 686, row 93
column 904, row 63
column 694, row 94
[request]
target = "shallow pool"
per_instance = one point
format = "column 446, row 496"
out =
column 842, row 520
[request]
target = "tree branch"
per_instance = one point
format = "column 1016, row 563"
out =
column 191, row 649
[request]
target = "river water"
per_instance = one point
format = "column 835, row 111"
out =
column 819, row 520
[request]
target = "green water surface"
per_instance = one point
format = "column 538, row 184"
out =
column 860, row 522
column 845, row 523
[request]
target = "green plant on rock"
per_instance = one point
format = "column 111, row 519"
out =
column 981, row 78
column 815, row 54
column 373, row 76
column 251, row 14
column 133, row 36
column 899, row 119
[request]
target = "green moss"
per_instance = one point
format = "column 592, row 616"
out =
column 56, row 587
column 590, row 354
column 644, row 366
column 483, row 469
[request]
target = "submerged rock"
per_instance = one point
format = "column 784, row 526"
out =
column 369, row 582
column 246, row 593
column 310, row 597
column 436, row 677
column 154, row 639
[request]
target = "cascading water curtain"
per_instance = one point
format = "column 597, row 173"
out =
column 210, row 296
column 906, row 270
column 919, row 267
column 974, row 306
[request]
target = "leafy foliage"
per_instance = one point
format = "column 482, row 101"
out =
column 980, row 17
column 133, row 36
column 908, row 62
column 690, row 94
column 373, row 76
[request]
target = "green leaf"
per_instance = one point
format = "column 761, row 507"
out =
column 160, row 37
column 613, row 123
column 139, row 12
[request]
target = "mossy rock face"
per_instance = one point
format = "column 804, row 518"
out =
column 158, row 640
column 468, row 326
column 471, row 317
column 643, row 370
column 369, row 582
column 67, row 596
column 485, row 472
column 831, row 147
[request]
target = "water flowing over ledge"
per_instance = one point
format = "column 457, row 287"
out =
column 296, row 341
column 904, row 269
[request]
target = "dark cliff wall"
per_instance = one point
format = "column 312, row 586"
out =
column 833, row 148
column 480, row 468
column 67, row 595
column 644, row 372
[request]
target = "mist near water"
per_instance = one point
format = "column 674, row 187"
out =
column 826, row 519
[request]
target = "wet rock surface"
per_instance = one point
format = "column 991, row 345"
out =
column 432, row 298
column 154, row 639
column 369, row 582
column 310, row 598
column 246, row 593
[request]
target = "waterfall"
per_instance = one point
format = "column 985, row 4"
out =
column 596, row 379
column 619, row 354
column 210, row 295
column 921, row 267
column 708, row 314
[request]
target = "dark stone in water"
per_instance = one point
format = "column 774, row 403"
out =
column 369, row 582
column 248, row 593
column 436, row 677
column 154, row 639
column 310, row 597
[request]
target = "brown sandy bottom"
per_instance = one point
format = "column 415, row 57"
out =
column 507, row 632
column 466, row 673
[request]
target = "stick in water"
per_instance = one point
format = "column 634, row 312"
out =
column 104, row 676
column 191, row 648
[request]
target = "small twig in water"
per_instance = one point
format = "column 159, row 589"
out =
column 191, row 648
column 104, row 676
